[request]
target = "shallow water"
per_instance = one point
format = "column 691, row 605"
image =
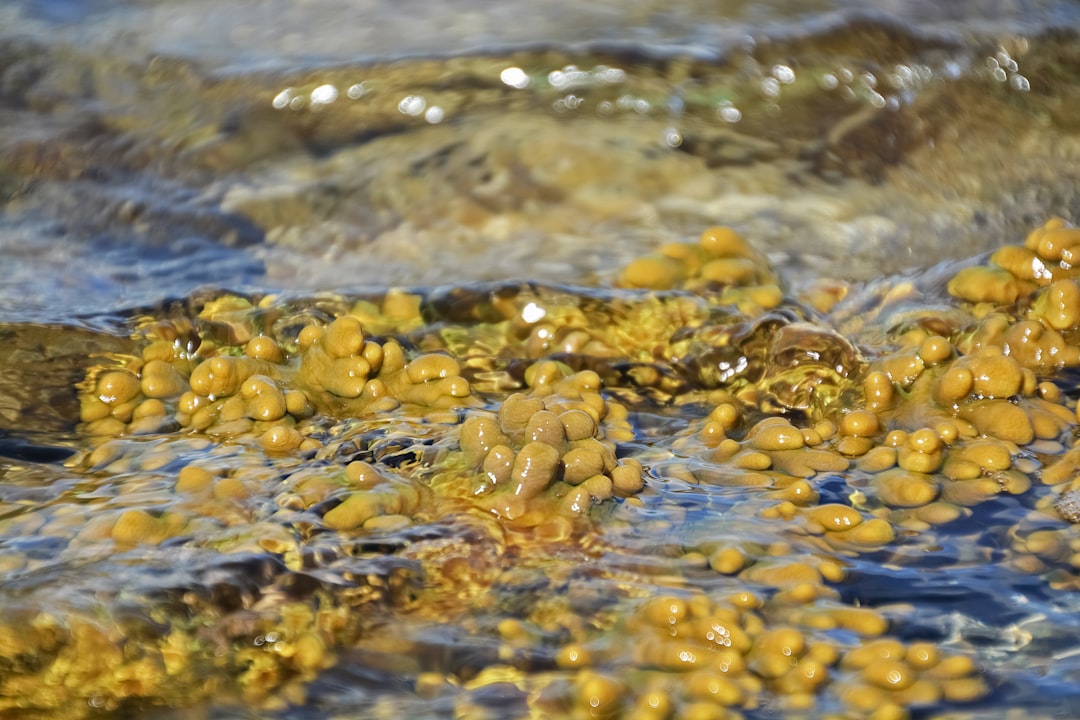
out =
column 200, row 172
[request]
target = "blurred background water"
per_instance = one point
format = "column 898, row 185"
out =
column 250, row 34
column 143, row 154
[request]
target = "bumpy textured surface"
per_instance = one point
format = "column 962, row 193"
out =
column 345, row 475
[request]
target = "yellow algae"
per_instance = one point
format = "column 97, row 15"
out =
column 938, row 513
column 889, row 675
column 359, row 507
column 781, row 573
column 264, row 348
column 1021, row 262
column 579, row 464
column 833, row 517
column 1038, row 347
column 1000, row 419
column 954, row 385
column 874, row 532
column 807, row 462
column 1056, row 241
column 546, row 427
column 664, row 611
column 800, row 492
column 879, row 391
column 965, row 689
column 728, row 561
column 863, row 621
column 573, row 656
column 577, row 424
column 935, row 349
column 903, row 368
column 657, row 273
column 860, row 424
column 987, row 454
column 776, row 651
column 729, row 270
column 988, row 284
column 159, row 379
column 479, row 434
column 602, row 694
column 878, row 459
column 137, row 526
column 516, row 411
column 627, row 478
column 281, row 439
column 995, row 375
column 1058, row 305
column 536, row 487
column 724, row 242
column 969, row 493
column 193, row 478
column 116, row 387
column 219, row 376
column 231, row 488
column 753, row 461
column 775, row 434
column 706, row 685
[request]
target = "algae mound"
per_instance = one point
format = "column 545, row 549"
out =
column 651, row 501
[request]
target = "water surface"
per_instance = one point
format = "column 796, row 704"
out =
column 203, row 171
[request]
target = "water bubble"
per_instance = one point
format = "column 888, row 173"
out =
column 729, row 113
column 608, row 75
column 412, row 105
column 532, row 313
column 1019, row 82
column 324, row 94
column 515, row 77
column 1006, row 61
column 829, row 81
column 567, row 102
column 569, row 77
column 434, row 114
column 784, row 74
column 357, row 91
column 672, row 137
column 770, row 87
column 281, row 100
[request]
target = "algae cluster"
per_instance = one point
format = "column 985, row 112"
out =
column 649, row 501
column 655, row 478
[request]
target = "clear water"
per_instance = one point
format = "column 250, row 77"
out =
column 152, row 152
